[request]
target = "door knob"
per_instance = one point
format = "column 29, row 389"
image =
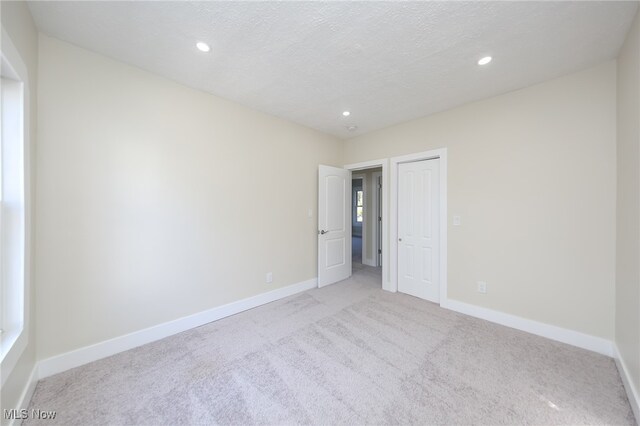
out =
column 322, row 232
column 400, row 239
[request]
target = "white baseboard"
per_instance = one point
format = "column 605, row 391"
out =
column 78, row 357
column 632, row 393
column 27, row 393
column 368, row 262
column 564, row 335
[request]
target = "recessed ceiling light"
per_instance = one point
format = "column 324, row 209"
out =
column 203, row 47
column 346, row 113
column 485, row 60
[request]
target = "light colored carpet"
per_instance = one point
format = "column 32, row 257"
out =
column 345, row 354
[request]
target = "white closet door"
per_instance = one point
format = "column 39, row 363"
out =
column 419, row 229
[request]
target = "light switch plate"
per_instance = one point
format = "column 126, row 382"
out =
column 457, row 221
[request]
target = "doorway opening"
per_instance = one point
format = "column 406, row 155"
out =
column 339, row 207
column 366, row 220
column 357, row 217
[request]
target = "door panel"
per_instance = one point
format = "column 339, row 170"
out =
column 408, row 259
column 335, row 252
column 419, row 229
column 335, row 192
column 427, row 217
column 427, row 261
column 334, row 225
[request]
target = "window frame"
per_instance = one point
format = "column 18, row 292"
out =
column 15, row 336
column 361, row 205
column 363, row 178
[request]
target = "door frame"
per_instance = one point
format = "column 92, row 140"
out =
column 384, row 163
column 375, row 243
column 440, row 153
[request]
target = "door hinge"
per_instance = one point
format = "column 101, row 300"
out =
column 379, row 251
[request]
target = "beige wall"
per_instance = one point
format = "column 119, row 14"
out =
column 532, row 173
column 17, row 23
column 627, row 335
column 156, row 201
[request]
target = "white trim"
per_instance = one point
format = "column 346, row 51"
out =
column 78, row 357
column 371, row 164
column 368, row 261
column 559, row 334
column 13, row 355
column 632, row 393
column 440, row 153
column 27, row 393
column 384, row 163
column 376, row 208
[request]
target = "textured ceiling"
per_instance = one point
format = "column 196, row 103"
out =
column 386, row 62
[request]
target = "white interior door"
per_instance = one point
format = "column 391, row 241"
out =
column 419, row 229
column 334, row 225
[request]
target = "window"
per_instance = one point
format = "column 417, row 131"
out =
column 359, row 206
column 12, row 209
